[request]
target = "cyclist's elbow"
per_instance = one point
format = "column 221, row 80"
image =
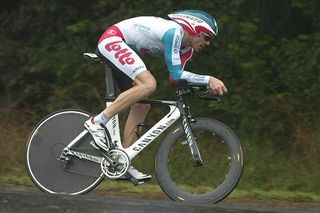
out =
column 175, row 76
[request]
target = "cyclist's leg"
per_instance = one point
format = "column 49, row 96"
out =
column 137, row 115
column 138, row 112
column 145, row 85
column 116, row 51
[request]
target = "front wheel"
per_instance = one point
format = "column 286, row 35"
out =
column 183, row 180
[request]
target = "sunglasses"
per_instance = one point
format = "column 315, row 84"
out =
column 206, row 37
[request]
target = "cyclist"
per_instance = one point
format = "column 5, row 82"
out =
column 122, row 46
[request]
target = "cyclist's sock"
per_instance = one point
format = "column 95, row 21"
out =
column 101, row 119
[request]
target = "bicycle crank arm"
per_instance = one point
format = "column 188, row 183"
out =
column 109, row 159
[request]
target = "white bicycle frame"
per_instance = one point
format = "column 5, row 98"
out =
column 113, row 125
column 139, row 145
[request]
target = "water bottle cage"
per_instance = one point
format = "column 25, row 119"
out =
column 140, row 127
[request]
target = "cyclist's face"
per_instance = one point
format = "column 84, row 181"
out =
column 199, row 41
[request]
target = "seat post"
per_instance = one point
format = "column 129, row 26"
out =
column 110, row 87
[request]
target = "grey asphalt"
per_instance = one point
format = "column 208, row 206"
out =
column 37, row 202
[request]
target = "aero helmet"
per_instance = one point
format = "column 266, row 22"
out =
column 195, row 22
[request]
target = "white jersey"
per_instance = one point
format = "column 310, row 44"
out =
column 145, row 34
column 149, row 35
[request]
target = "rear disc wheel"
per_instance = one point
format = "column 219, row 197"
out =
column 44, row 148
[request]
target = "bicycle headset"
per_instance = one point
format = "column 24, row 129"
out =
column 196, row 22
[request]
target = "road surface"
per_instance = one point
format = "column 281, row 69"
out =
column 16, row 201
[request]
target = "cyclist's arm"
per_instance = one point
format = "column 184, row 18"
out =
column 172, row 41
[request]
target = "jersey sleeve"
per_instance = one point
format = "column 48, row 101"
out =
column 172, row 40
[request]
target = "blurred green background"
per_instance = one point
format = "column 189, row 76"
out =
column 267, row 53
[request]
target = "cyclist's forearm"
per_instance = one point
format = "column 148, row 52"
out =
column 195, row 78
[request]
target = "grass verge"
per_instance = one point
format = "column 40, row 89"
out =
column 151, row 190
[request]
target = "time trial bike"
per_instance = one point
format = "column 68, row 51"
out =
column 200, row 160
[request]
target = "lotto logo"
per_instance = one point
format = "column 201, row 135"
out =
column 121, row 54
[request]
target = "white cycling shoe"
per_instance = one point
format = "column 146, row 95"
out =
column 137, row 175
column 97, row 133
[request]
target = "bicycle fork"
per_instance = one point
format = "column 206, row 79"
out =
column 191, row 139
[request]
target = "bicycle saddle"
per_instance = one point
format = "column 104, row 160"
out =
column 93, row 56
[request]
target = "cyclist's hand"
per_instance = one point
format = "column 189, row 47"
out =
column 216, row 87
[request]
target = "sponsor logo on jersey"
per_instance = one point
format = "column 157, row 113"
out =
column 138, row 68
column 155, row 48
column 176, row 44
column 176, row 60
column 111, row 32
column 144, row 51
column 123, row 55
column 141, row 28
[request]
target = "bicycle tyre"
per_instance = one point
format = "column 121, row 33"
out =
column 169, row 181
column 45, row 145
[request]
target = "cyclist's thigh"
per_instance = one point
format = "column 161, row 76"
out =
column 122, row 56
column 122, row 80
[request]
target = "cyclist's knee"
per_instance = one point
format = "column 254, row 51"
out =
column 150, row 86
column 146, row 82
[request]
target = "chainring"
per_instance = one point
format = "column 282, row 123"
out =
column 122, row 164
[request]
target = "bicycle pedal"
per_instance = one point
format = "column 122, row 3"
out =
column 133, row 179
column 139, row 183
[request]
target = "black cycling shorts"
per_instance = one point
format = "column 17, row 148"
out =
column 123, row 81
